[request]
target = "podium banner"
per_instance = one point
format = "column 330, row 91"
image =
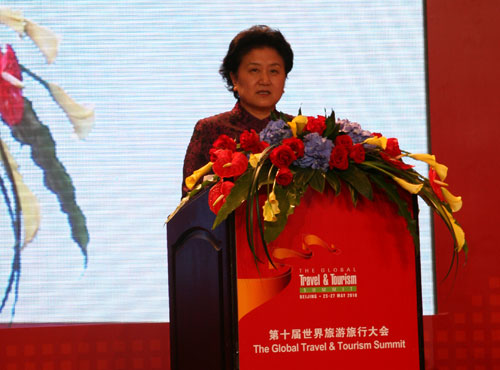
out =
column 343, row 291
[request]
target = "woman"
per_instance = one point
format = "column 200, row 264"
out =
column 255, row 69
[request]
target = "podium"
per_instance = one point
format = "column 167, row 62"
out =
column 344, row 291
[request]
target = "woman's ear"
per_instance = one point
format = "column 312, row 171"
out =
column 234, row 80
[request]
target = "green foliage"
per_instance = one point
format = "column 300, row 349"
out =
column 274, row 229
column 358, row 180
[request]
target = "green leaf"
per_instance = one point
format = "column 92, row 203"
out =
column 202, row 186
column 265, row 176
column 298, row 187
column 32, row 132
column 253, row 193
column 391, row 190
column 334, row 181
column 237, row 195
column 358, row 180
column 302, row 177
column 354, row 195
column 332, row 127
column 318, row 181
column 273, row 229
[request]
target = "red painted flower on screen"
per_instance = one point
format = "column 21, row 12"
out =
column 217, row 195
column 11, row 97
column 296, row 145
column 229, row 163
column 222, row 142
column 282, row 156
column 317, row 124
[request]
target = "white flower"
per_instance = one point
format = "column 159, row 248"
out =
column 13, row 19
column 30, row 208
column 46, row 40
column 81, row 116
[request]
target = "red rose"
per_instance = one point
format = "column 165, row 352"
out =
column 339, row 158
column 263, row 145
column 377, row 134
column 224, row 142
column 316, row 124
column 250, row 141
column 296, row 145
column 282, row 156
column 435, row 187
column 343, row 140
column 393, row 147
column 11, row 97
column 229, row 164
column 395, row 162
column 217, row 195
column 284, row 176
column 357, row 153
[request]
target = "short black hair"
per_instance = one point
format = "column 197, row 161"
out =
column 252, row 38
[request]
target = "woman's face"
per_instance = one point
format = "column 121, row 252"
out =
column 260, row 81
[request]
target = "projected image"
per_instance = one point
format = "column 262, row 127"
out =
column 98, row 106
column 17, row 112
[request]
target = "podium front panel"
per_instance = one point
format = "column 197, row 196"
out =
column 343, row 292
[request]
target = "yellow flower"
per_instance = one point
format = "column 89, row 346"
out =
column 254, row 159
column 454, row 202
column 81, row 116
column 441, row 169
column 427, row 158
column 457, row 230
column 297, row 125
column 13, row 19
column 409, row 187
column 271, row 208
column 193, row 179
column 381, row 142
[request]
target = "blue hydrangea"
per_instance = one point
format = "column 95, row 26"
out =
column 354, row 130
column 275, row 132
column 317, row 152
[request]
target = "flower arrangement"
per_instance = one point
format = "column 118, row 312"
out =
column 289, row 156
column 18, row 114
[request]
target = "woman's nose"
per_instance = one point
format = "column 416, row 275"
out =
column 265, row 78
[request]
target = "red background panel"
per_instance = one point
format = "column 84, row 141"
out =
column 86, row 347
column 464, row 79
